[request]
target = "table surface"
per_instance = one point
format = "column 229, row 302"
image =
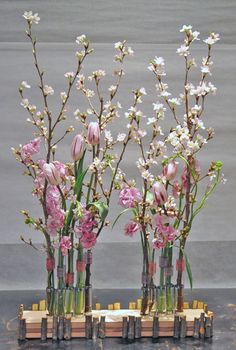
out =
column 221, row 301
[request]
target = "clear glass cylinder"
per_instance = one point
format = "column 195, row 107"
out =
column 51, row 300
column 79, row 297
column 161, row 299
column 88, row 298
column 69, row 301
column 170, row 298
column 145, row 301
column 60, row 300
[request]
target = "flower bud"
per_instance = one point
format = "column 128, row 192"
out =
column 52, row 174
column 170, row 170
column 160, row 193
column 93, row 133
column 77, row 147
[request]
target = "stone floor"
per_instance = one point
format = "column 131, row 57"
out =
column 221, row 301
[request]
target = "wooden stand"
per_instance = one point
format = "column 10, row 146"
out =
column 128, row 324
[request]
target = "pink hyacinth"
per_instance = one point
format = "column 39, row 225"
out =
column 86, row 224
column 88, row 240
column 65, row 245
column 55, row 221
column 52, row 199
column 131, row 228
column 29, row 149
column 129, row 197
column 170, row 170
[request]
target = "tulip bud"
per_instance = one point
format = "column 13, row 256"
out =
column 170, row 170
column 52, row 174
column 77, row 147
column 160, row 193
column 93, row 133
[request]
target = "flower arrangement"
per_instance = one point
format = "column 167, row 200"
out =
column 164, row 204
column 73, row 196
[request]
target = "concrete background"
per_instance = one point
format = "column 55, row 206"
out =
column 151, row 28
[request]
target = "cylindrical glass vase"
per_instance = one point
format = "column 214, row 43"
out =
column 51, row 300
column 161, row 299
column 170, row 298
column 79, row 301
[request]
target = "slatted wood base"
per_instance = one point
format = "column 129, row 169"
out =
column 113, row 325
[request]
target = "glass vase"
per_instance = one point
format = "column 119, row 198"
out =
column 79, row 297
column 161, row 299
column 51, row 300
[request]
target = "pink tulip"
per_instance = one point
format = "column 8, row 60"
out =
column 160, row 194
column 93, row 133
column 52, row 174
column 170, row 170
column 77, row 147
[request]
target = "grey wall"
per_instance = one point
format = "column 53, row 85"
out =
column 151, row 28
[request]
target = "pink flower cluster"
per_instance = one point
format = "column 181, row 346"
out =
column 164, row 230
column 29, row 149
column 56, row 216
column 131, row 228
column 129, row 197
column 65, row 245
column 84, row 230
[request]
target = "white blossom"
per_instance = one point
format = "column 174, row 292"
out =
column 31, row 18
column 212, row 39
column 108, row 136
column 82, row 39
column 69, row 75
column 183, row 50
column 25, row 102
column 48, row 90
column 185, row 28
column 63, row 96
column 121, row 137
column 24, row 85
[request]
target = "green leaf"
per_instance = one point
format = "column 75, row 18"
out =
column 121, row 213
column 189, row 271
column 149, row 197
column 102, row 209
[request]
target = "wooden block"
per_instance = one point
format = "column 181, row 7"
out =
column 124, row 327
column 176, row 327
column 155, row 327
column 116, row 306
column 35, row 307
column 132, row 305
column 200, row 305
column 205, row 308
column 138, row 327
column 110, row 307
column 102, row 327
column 139, row 304
column 67, row 328
column 195, row 302
column 21, row 329
column 42, row 305
column 196, row 327
column 186, row 305
column 98, row 306
column 44, row 328
column 183, row 327
column 131, row 328
column 95, row 328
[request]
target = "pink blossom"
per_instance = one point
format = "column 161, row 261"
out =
column 162, row 224
column 160, row 193
column 158, row 243
column 93, row 133
column 176, row 189
column 55, row 221
column 86, row 224
column 52, row 199
column 61, row 168
column 88, row 240
column 170, row 170
column 65, row 245
column 29, row 149
column 129, row 197
column 131, row 228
